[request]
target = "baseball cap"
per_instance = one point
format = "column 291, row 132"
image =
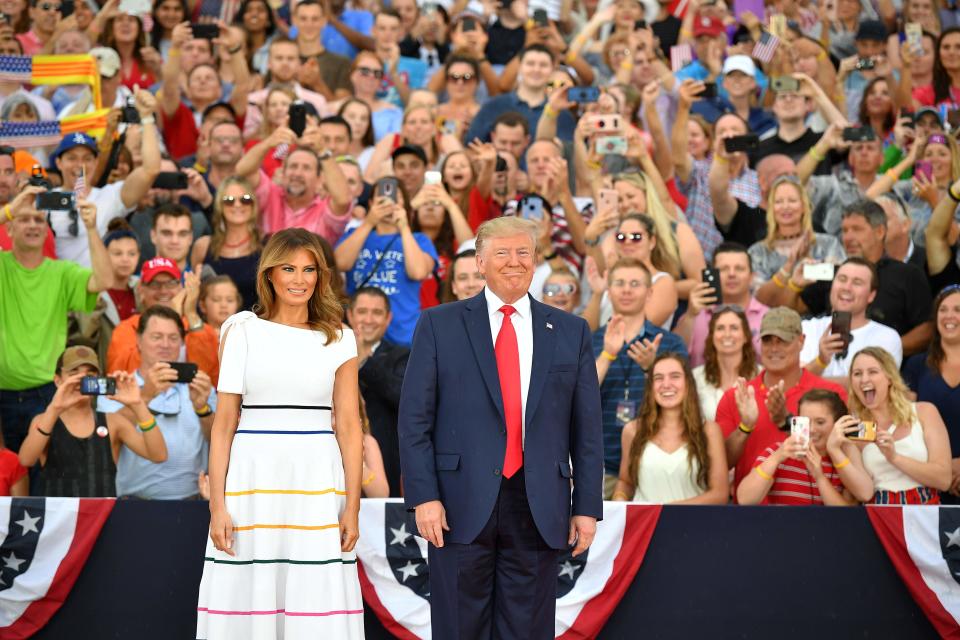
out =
column 872, row 30
column 76, row 357
column 155, row 266
column 108, row 61
column 782, row 322
column 740, row 63
column 706, row 26
column 928, row 110
column 409, row 149
column 71, row 141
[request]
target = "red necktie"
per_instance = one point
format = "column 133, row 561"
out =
column 508, row 366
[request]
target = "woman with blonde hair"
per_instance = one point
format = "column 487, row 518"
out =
column 910, row 460
column 284, row 485
column 419, row 128
column 234, row 248
column 790, row 243
column 670, row 425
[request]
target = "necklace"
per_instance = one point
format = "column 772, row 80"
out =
column 793, row 237
column 237, row 245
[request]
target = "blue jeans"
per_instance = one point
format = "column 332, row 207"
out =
column 18, row 409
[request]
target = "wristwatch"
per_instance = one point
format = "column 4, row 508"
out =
column 591, row 243
column 197, row 325
column 325, row 155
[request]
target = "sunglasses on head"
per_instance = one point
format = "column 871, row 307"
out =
column 556, row 288
column 246, row 199
column 7, row 151
column 367, row 71
column 629, row 237
column 460, row 77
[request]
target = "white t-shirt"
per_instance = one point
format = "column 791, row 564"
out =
column 75, row 248
column 872, row 334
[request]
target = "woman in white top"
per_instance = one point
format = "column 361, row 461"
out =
column 910, row 461
column 670, row 453
column 728, row 354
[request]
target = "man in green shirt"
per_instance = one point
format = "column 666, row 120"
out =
column 35, row 295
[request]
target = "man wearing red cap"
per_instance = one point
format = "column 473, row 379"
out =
column 160, row 285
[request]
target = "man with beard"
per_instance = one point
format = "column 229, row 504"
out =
column 298, row 203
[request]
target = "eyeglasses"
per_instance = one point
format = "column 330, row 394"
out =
column 462, row 78
column 632, row 284
column 367, row 71
column 246, row 200
column 727, row 307
column 629, row 237
column 554, row 289
column 169, row 285
column 47, row 6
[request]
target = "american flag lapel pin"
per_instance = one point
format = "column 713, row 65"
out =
column 549, row 326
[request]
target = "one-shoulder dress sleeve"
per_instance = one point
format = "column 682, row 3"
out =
column 233, row 359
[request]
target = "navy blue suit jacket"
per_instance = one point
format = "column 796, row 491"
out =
column 453, row 434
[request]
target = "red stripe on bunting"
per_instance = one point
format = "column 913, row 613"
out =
column 373, row 601
column 91, row 514
column 637, row 532
column 887, row 522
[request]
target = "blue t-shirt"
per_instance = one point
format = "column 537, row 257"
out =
column 333, row 40
column 390, row 276
column 412, row 70
column 482, row 123
column 697, row 71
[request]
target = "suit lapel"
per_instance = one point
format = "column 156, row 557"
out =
column 478, row 329
column 544, row 340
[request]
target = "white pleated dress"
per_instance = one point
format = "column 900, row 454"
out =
column 284, row 492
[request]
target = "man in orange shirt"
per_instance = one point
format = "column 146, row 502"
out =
column 160, row 284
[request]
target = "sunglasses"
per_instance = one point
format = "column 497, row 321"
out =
column 74, row 228
column 367, row 72
column 246, row 200
column 169, row 285
column 554, row 289
column 47, row 6
column 7, row 151
column 462, row 78
column 629, row 237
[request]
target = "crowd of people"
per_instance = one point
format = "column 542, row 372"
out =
column 757, row 216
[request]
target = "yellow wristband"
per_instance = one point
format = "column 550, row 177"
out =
column 627, row 64
column 607, row 355
column 369, row 479
column 816, row 155
column 777, row 281
column 620, row 494
column 549, row 111
column 893, row 175
column 763, row 474
column 571, row 57
column 821, row 362
column 6, row 210
column 794, row 286
column 747, row 430
column 841, row 464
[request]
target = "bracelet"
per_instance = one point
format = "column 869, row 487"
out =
column 777, row 281
column 745, row 429
column 148, row 120
column 763, row 474
column 721, row 159
column 150, row 425
column 549, row 111
column 45, row 433
column 607, row 355
column 816, row 155
column 174, row 52
column 6, row 210
column 841, row 464
column 204, row 411
column 893, row 175
column 369, row 479
column 821, row 362
column 952, row 195
column 570, row 57
column 620, row 494
column 794, row 286
column 627, row 64
column 686, row 32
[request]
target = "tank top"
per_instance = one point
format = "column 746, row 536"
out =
column 887, row 477
column 80, row 467
column 666, row 477
column 243, row 272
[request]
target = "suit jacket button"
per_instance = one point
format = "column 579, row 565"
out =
column 496, row 471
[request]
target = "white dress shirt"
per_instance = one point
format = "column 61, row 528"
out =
column 523, row 327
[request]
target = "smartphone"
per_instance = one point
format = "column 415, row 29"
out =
column 205, row 31
column 639, row 24
column 709, row 91
column 469, row 24
column 914, row 37
column 56, row 201
column 98, row 386
column 611, row 144
column 785, row 84
column 186, row 371
column 800, row 427
column 450, row 127
column 924, row 168
column 172, row 180
column 736, row 144
column 953, row 119
column 711, row 276
column 613, row 164
column 432, row 177
column 540, row 18
column 531, row 208
column 822, row 272
column 605, row 123
column 866, row 432
column 859, row 134
column 609, row 199
column 840, row 324
column 865, row 64
column 297, row 117
column 501, row 165
column 389, row 188
column 583, row 95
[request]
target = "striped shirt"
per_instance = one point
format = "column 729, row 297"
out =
column 744, row 188
column 793, row 484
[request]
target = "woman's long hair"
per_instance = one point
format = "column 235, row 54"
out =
column 433, row 152
column 898, row 400
column 662, row 219
column 954, row 156
column 748, row 356
column 935, row 353
column 156, row 33
column 367, row 140
column 445, row 244
column 659, row 255
column 265, row 127
column 889, row 119
column 941, row 79
column 220, row 225
column 648, row 422
column 807, row 221
column 107, row 39
column 248, row 39
column 464, row 200
column 324, row 312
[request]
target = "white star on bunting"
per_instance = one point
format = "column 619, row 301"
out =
column 29, row 524
column 400, row 535
column 12, row 562
column 953, row 538
column 410, row 569
column 568, row 569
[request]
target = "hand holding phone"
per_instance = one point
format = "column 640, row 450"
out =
column 98, row 386
column 800, row 429
column 840, row 325
column 822, row 272
column 711, row 277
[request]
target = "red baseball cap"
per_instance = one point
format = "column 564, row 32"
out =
column 704, row 26
column 151, row 268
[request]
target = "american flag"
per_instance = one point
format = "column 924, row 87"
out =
column 16, row 68
column 678, row 8
column 47, row 70
column 766, row 48
column 80, row 187
column 24, row 135
column 281, row 150
column 680, row 56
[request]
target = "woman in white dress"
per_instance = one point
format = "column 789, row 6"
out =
column 670, row 454
column 728, row 354
column 284, row 518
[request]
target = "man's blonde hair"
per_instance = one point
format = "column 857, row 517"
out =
column 504, row 227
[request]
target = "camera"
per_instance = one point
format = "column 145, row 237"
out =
column 865, row 64
column 56, row 201
column 38, row 180
column 129, row 113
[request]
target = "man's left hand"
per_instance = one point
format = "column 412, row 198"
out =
column 200, row 388
column 582, row 531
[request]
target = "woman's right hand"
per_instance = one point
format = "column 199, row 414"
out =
column 380, row 211
column 840, row 434
column 746, row 399
column 221, row 530
column 688, row 92
column 68, row 393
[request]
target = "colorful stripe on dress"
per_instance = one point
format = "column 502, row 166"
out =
column 917, row 495
column 276, row 612
column 299, row 527
column 287, row 406
column 326, row 432
column 279, row 561
column 298, row 492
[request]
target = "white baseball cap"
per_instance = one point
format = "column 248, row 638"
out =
column 740, row 63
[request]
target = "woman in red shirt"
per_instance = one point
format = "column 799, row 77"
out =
column 437, row 215
column 276, row 114
column 124, row 33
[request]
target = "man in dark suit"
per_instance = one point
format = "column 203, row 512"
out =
column 382, row 364
column 500, row 411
